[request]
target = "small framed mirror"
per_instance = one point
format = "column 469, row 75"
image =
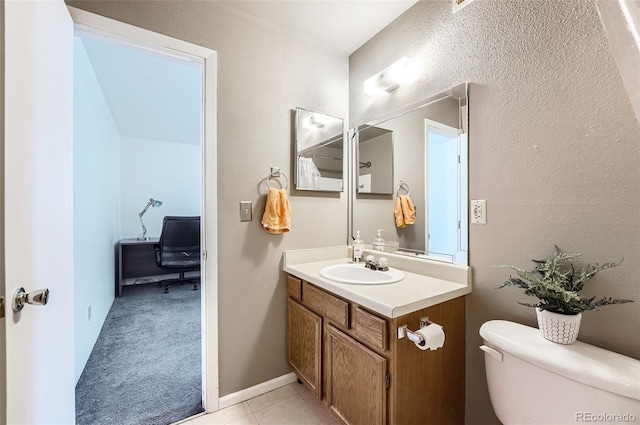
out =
column 319, row 151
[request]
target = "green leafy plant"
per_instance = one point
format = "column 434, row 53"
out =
column 556, row 283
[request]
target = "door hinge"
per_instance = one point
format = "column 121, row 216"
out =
column 387, row 380
column 458, row 159
column 1, row 307
column 204, row 254
column 458, row 224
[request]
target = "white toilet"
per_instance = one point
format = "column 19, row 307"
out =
column 535, row 381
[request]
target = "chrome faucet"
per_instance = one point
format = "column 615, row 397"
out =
column 381, row 264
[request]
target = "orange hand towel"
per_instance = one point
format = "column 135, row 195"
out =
column 408, row 210
column 397, row 212
column 404, row 212
column 277, row 213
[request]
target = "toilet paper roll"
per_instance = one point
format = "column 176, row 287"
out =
column 433, row 337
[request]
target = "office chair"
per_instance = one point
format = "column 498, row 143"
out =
column 179, row 249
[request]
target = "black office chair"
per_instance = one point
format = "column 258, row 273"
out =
column 179, row 249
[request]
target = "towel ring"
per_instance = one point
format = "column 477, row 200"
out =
column 278, row 174
column 402, row 186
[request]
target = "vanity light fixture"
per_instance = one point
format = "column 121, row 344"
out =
column 397, row 74
column 312, row 122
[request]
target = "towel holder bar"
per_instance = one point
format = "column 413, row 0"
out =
column 402, row 186
column 276, row 173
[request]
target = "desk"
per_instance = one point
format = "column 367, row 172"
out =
column 136, row 258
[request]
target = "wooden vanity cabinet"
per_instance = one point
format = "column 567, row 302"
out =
column 352, row 360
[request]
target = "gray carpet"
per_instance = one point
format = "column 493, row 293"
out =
column 145, row 367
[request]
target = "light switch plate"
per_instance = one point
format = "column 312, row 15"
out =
column 479, row 211
column 245, row 211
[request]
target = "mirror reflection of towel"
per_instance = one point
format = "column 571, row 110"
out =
column 404, row 211
column 277, row 212
column 308, row 173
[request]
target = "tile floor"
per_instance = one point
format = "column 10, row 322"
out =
column 292, row 404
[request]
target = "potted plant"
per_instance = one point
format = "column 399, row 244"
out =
column 556, row 283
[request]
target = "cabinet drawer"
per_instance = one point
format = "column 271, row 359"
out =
column 326, row 305
column 294, row 287
column 370, row 329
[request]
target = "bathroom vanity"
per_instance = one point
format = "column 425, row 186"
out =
column 343, row 341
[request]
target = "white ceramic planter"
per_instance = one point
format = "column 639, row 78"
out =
column 560, row 328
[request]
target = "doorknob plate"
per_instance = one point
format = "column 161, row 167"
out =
column 19, row 299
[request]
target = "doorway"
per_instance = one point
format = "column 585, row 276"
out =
column 137, row 159
column 446, row 190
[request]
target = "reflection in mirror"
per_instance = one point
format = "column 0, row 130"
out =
column 319, row 151
column 429, row 165
column 375, row 157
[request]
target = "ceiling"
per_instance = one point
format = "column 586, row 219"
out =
column 340, row 25
column 136, row 83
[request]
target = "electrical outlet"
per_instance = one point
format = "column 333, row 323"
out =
column 479, row 211
column 245, row 211
column 89, row 313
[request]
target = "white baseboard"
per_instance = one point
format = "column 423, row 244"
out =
column 256, row 390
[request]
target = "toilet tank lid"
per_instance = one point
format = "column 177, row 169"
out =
column 581, row 362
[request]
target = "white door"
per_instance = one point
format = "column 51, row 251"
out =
column 38, row 210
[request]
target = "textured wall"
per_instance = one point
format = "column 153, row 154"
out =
column 263, row 74
column 553, row 149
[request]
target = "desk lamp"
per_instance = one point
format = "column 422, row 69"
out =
column 155, row 204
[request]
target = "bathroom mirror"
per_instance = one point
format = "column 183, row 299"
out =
column 429, row 163
column 375, row 161
column 319, row 151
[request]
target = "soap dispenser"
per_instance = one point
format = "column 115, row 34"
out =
column 378, row 242
column 358, row 248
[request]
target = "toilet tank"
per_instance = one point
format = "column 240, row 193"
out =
column 534, row 381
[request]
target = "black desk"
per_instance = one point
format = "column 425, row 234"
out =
column 136, row 258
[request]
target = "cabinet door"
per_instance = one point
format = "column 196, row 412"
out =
column 304, row 343
column 355, row 380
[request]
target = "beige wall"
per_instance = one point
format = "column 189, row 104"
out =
column 553, row 148
column 263, row 74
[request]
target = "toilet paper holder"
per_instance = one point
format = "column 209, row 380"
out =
column 403, row 331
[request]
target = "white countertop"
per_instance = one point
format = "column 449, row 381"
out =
column 426, row 283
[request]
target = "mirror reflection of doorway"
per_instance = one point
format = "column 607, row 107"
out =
column 137, row 137
column 446, row 190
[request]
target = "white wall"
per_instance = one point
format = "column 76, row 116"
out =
column 96, row 205
column 166, row 171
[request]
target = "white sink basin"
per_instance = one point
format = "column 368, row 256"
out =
column 357, row 274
